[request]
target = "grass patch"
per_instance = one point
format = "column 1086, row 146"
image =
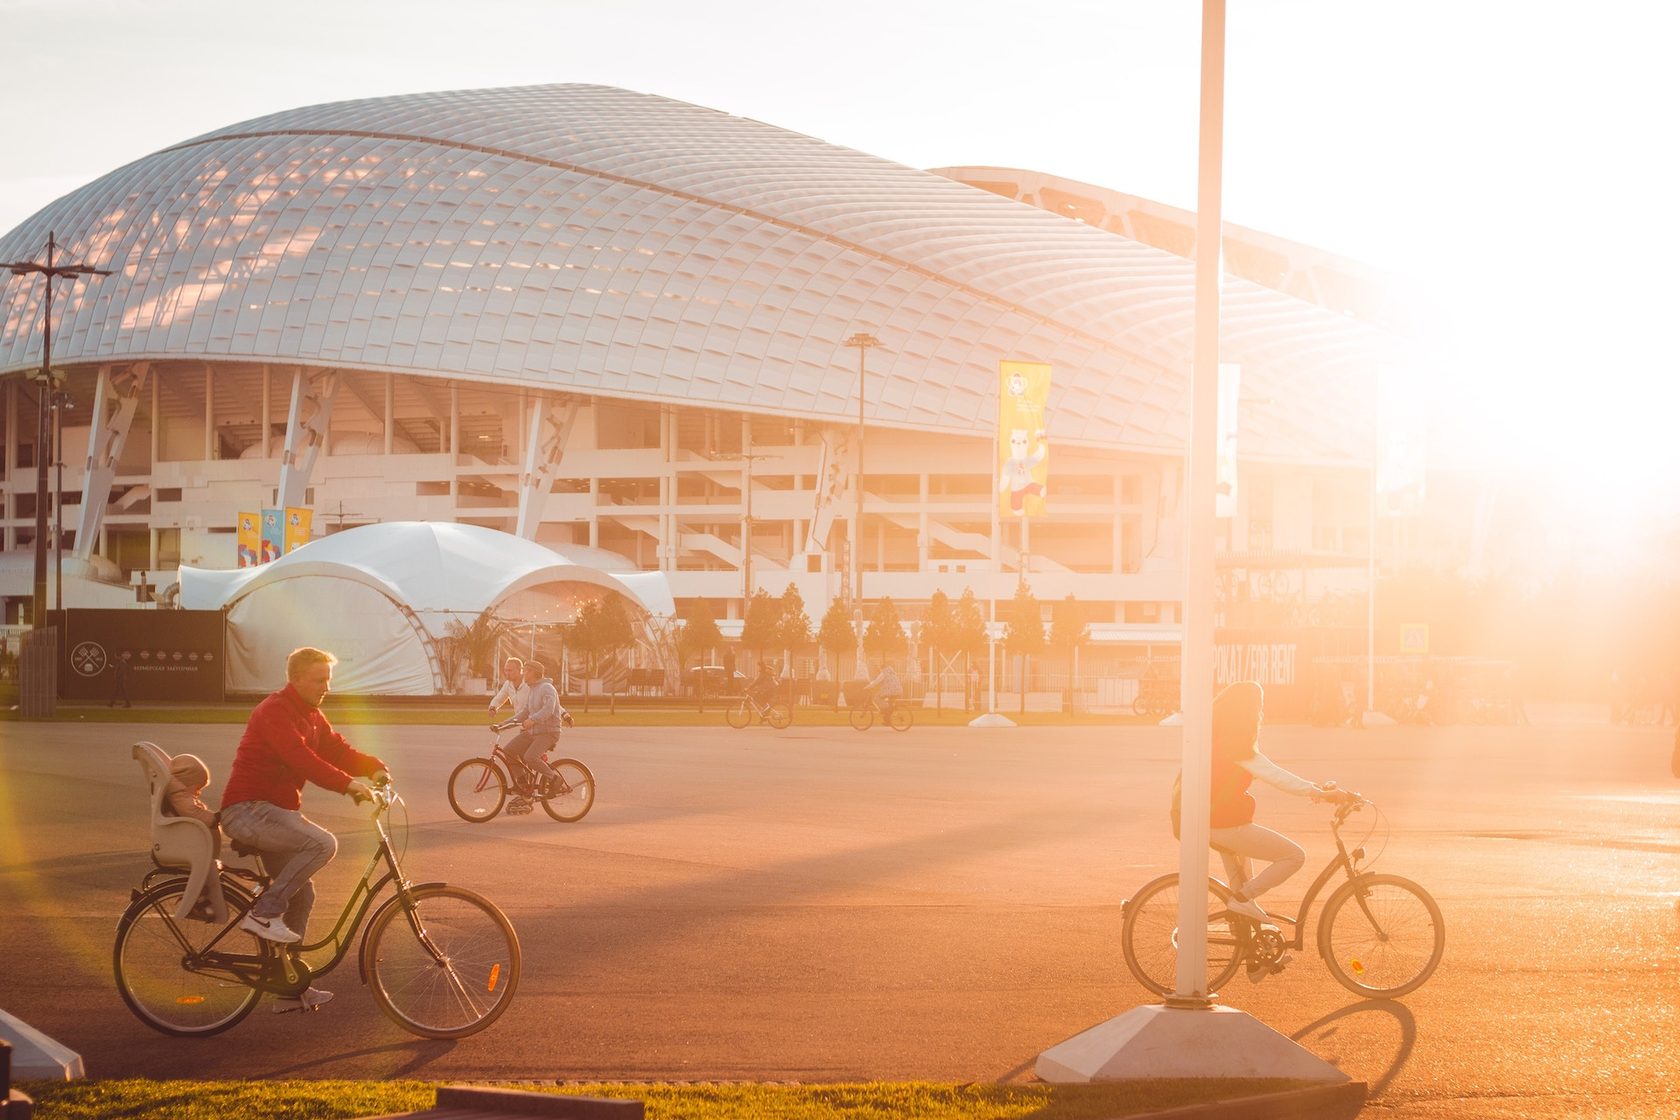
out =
column 915, row 1100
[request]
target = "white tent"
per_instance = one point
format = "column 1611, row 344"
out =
column 380, row 596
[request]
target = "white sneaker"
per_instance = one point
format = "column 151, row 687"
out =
column 1258, row 972
column 1248, row 908
column 311, row 1000
column 269, row 929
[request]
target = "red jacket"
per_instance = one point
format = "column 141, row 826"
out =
column 286, row 743
column 1229, row 802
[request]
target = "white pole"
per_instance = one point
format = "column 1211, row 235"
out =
column 1202, row 469
column 997, row 570
column 991, row 718
column 1371, row 598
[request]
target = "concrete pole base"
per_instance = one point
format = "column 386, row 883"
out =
column 1156, row 1041
column 37, row 1057
column 991, row 719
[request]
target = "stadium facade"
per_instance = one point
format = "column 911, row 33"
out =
column 597, row 318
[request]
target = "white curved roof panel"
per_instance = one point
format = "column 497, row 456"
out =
column 432, row 567
column 589, row 239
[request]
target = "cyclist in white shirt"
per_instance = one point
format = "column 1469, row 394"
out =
column 514, row 690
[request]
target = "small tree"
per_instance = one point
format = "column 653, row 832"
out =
column 969, row 630
column 471, row 645
column 601, row 629
column 835, row 637
column 1024, row 631
column 760, row 628
column 1068, row 630
column 699, row 633
column 793, row 625
column 885, row 636
column 939, row 628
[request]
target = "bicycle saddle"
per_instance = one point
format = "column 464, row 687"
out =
column 182, row 842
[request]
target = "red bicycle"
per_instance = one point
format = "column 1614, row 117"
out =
column 479, row 787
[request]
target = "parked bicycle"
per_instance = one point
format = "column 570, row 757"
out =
column 1156, row 698
column 899, row 719
column 741, row 714
column 440, row 961
column 479, row 787
column 1380, row 935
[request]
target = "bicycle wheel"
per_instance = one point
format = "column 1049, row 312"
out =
column 575, row 795
column 1150, row 940
column 150, row 963
column 779, row 716
column 901, row 718
column 1141, row 704
column 448, row 968
column 738, row 715
column 477, row 789
column 863, row 718
column 1381, row 935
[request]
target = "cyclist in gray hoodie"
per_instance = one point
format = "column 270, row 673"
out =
column 540, row 720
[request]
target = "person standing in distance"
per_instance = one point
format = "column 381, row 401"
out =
column 288, row 742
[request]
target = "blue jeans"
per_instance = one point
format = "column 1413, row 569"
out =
column 292, row 847
column 1239, row 844
column 528, row 747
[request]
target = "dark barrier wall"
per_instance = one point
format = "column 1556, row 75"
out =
column 1282, row 661
column 171, row 655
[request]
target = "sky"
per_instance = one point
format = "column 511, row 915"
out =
column 1509, row 162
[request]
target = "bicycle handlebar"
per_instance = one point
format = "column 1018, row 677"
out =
column 1351, row 803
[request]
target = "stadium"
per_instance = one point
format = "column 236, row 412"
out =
column 615, row 324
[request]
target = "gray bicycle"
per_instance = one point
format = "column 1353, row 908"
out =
column 1380, row 935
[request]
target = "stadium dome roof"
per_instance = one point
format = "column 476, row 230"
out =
column 594, row 240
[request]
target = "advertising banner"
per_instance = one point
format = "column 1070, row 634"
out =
column 1023, row 451
column 273, row 535
column 298, row 521
column 250, row 540
column 125, row 655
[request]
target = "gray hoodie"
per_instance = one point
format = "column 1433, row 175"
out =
column 542, row 708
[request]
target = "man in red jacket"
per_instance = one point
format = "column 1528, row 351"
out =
column 286, row 743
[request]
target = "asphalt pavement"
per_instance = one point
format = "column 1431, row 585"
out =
column 820, row 904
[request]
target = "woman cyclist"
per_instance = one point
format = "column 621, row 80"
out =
column 1237, row 761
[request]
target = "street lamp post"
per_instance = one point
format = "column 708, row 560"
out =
column 864, row 341
column 60, row 402
column 43, row 435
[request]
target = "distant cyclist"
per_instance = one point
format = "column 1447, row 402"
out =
column 886, row 689
column 763, row 688
column 540, row 721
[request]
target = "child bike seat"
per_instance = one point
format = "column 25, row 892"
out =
column 182, row 842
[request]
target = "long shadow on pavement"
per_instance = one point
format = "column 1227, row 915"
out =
column 1325, row 1035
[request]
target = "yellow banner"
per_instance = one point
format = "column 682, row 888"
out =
column 1023, row 453
column 250, row 541
column 298, row 522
